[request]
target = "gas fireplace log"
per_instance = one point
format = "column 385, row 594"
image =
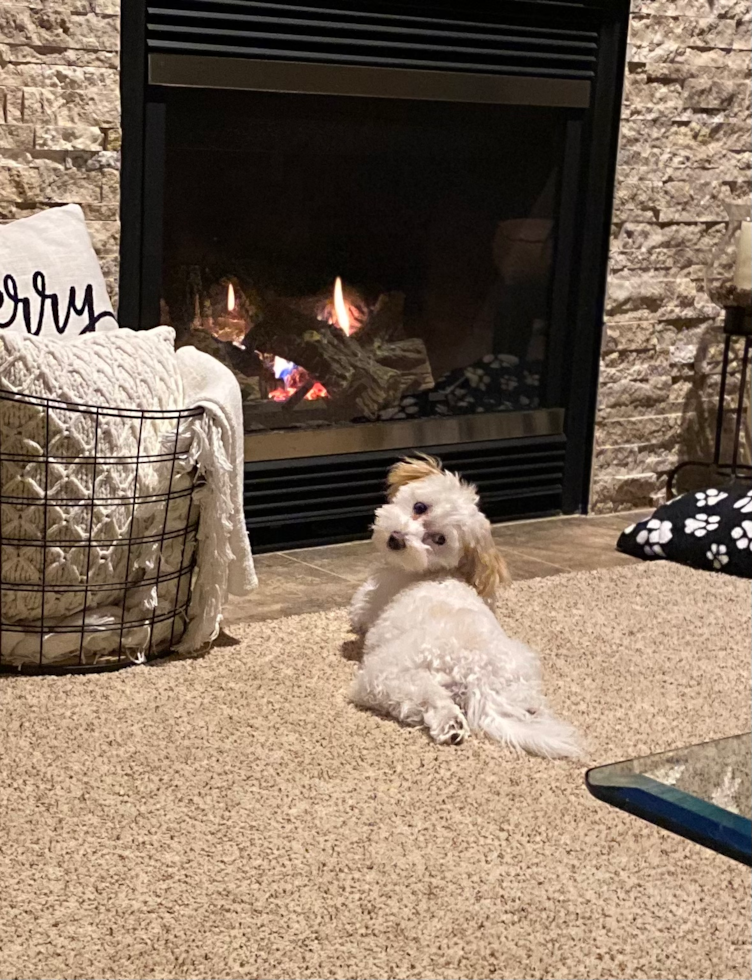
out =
column 363, row 373
column 385, row 321
column 355, row 380
column 197, row 302
column 297, row 396
column 410, row 358
column 202, row 303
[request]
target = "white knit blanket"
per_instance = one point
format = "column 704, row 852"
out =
column 143, row 371
column 225, row 564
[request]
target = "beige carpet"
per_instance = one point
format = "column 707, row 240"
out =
column 233, row 816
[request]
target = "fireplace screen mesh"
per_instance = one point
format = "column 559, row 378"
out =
column 362, row 260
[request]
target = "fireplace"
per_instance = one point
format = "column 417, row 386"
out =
column 390, row 224
column 352, row 265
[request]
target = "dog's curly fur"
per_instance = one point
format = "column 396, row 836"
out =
column 434, row 652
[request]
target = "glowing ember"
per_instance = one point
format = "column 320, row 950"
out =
column 341, row 313
column 230, row 297
column 293, row 378
column 282, row 394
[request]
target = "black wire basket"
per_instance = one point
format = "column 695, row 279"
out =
column 98, row 528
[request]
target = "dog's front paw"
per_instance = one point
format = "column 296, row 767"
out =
column 447, row 726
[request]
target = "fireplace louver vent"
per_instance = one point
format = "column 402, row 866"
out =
column 325, row 499
column 430, row 37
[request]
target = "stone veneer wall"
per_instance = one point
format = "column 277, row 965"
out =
column 685, row 146
column 60, row 114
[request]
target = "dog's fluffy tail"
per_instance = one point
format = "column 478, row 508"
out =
column 539, row 733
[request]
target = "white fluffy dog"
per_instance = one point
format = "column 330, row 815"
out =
column 434, row 652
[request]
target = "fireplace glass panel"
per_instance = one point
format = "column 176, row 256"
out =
column 357, row 261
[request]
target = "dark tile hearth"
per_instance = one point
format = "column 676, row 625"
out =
column 315, row 579
column 571, row 544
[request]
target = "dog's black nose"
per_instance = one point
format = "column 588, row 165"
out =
column 396, row 541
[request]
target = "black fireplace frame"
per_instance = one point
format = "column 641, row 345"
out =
column 298, row 501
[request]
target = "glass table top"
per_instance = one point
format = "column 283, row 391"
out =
column 702, row 792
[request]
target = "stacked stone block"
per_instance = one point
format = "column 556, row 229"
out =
column 685, row 149
column 60, row 115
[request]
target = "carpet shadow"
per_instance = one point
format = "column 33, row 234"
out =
column 352, row 649
column 222, row 640
column 226, row 640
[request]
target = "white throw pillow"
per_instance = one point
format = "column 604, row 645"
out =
column 51, row 284
column 46, row 471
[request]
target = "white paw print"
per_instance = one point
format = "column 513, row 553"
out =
column 744, row 504
column 507, row 382
column 477, row 377
column 743, row 535
column 508, row 359
column 653, row 535
column 709, row 498
column 717, row 554
column 628, row 530
column 492, row 361
column 700, row 524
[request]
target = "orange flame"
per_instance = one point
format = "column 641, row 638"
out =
column 342, row 315
column 230, row 297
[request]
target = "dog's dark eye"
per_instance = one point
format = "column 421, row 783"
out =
column 439, row 539
column 420, row 508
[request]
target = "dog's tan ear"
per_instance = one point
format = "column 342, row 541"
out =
column 409, row 469
column 484, row 568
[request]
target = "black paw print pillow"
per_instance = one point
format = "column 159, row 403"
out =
column 709, row 529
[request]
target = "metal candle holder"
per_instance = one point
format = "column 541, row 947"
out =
column 737, row 323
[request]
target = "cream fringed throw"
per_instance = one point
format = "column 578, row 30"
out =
column 123, row 368
column 225, row 564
